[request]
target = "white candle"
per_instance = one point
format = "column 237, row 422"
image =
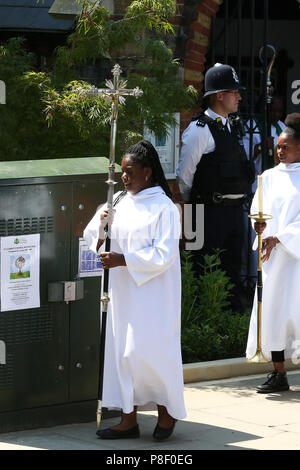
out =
column 260, row 194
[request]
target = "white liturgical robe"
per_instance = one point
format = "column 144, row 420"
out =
column 143, row 364
column 281, row 273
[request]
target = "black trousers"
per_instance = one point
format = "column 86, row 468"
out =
column 277, row 356
column 224, row 230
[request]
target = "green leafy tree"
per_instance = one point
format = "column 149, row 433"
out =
column 51, row 115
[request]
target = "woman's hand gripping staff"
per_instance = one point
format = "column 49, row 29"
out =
column 108, row 259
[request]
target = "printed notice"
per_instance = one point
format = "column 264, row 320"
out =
column 89, row 262
column 167, row 147
column 20, row 272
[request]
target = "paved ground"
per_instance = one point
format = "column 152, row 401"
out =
column 223, row 414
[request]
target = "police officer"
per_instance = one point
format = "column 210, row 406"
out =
column 214, row 170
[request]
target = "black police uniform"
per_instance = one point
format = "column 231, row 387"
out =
column 225, row 171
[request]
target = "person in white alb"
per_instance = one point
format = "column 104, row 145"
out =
column 214, row 170
column 280, row 318
column 260, row 164
column 143, row 366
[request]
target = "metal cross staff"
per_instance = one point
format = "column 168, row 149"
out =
column 116, row 90
column 268, row 154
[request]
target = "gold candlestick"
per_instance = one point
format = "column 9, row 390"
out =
column 261, row 218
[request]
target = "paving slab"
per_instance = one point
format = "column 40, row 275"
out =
column 224, row 414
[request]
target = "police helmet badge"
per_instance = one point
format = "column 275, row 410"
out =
column 234, row 74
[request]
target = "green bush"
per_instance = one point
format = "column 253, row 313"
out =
column 210, row 330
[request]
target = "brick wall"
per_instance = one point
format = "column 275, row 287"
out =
column 197, row 48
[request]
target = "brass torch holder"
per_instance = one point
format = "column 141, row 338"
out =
column 258, row 356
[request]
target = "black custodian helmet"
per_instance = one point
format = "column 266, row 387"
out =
column 221, row 77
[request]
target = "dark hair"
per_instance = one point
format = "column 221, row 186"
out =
column 292, row 123
column 144, row 153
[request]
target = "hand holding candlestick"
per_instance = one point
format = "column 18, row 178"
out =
column 260, row 224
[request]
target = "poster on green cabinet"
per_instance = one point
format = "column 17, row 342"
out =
column 20, row 272
column 89, row 262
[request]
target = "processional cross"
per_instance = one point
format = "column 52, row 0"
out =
column 116, row 90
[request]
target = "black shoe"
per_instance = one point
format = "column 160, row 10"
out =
column 160, row 434
column 109, row 433
column 276, row 382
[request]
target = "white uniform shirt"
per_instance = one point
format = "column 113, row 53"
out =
column 196, row 141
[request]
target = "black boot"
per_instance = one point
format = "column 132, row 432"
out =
column 276, row 382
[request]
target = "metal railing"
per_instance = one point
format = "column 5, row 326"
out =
column 234, row 44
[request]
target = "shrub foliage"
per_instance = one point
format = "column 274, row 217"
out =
column 210, row 330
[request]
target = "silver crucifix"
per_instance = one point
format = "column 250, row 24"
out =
column 116, row 90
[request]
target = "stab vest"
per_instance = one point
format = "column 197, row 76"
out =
column 227, row 169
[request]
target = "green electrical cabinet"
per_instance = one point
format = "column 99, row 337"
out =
column 50, row 372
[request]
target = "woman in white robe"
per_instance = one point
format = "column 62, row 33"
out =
column 280, row 324
column 143, row 365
